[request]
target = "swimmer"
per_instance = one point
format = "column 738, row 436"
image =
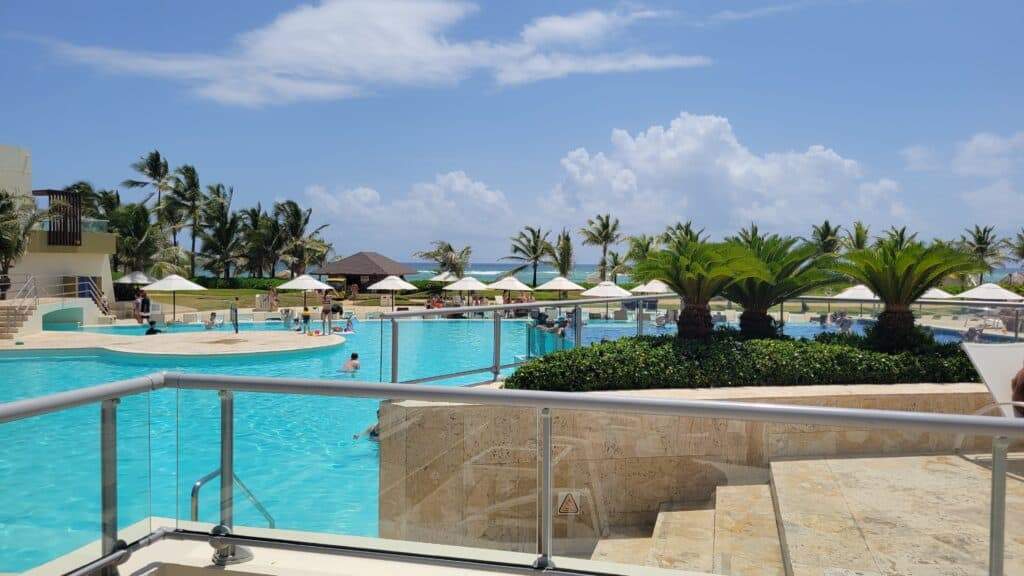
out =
column 352, row 365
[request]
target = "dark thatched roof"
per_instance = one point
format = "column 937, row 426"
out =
column 366, row 264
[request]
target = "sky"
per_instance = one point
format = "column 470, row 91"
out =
column 405, row 122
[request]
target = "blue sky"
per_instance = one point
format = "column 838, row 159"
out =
column 404, row 122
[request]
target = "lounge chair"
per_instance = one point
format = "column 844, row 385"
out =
column 997, row 364
column 620, row 315
column 189, row 318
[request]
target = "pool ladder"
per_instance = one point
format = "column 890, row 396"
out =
column 241, row 486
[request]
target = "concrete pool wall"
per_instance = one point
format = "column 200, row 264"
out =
column 467, row 475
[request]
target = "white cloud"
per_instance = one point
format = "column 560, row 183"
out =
column 452, row 207
column 996, row 203
column 989, row 155
column 919, row 159
column 344, row 48
column 696, row 167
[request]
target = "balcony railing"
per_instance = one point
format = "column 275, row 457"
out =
column 544, row 406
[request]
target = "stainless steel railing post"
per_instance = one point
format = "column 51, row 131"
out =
column 640, row 318
column 496, row 367
column 997, row 516
column 394, row 351
column 546, row 524
column 225, row 553
column 577, row 315
column 108, row 480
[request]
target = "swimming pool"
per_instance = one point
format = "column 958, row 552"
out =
column 300, row 455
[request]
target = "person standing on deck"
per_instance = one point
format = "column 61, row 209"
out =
column 326, row 313
column 233, row 314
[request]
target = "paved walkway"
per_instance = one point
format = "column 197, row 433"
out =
column 183, row 344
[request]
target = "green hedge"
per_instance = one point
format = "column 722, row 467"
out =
column 238, row 283
column 665, row 362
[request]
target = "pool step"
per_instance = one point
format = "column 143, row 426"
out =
column 746, row 532
column 684, row 537
column 624, row 546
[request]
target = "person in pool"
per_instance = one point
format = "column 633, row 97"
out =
column 352, row 365
column 212, row 322
column 152, row 329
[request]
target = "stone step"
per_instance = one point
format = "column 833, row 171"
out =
column 746, row 532
column 624, row 546
column 819, row 533
column 684, row 537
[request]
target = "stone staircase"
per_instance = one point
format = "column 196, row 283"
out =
column 12, row 316
column 855, row 516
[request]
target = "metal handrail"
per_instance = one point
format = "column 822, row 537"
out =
column 1001, row 429
column 198, row 486
column 523, row 306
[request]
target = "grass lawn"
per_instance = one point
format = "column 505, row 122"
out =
column 220, row 299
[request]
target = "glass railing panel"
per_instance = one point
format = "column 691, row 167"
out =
column 51, row 484
column 369, row 473
column 734, row 497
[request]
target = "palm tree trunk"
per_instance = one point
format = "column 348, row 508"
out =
column 895, row 329
column 192, row 254
column 694, row 321
column 534, row 274
column 603, row 266
column 757, row 324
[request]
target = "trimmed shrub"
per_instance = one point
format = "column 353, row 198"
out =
column 725, row 360
column 238, row 283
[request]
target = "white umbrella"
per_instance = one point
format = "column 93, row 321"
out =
column 652, row 287
column 606, row 289
column 467, row 284
column 989, row 291
column 392, row 284
column 305, row 283
column 561, row 284
column 445, row 276
column 936, row 294
column 173, row 284
column 510, row 283
column 858, row 292
column 137, row 277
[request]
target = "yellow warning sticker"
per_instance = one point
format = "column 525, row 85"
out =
column 568, row 504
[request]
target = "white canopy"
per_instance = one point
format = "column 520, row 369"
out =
column 606, row 289
column 561, row 284
column 510, row 283
column 305, row 282
column 392, row 284
column 936, row 294
column 989, row 291
column 653, row 287
column 467, row 284
column 445, row 276
column 858, row 292
column 137, row 277
column 172, row 283
column 997, row 364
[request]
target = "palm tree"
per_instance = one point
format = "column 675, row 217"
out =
column 898, row 236
column 447, row 258
column 253, row 228
column 298, row 239
column 616, row 265
column 530, row 247
column 602, row 230
column 18, row 215
column 699, row 271
column 985, row 245
column 682, row 231
column 792, row 270
column 639, row 247
column 858, row 237
column 899, row 274
column 560, row 254
column 154, row 171
column 189, row 199
column 826, row 237
column 138, row 239
column 221, row 234
column 1017, row 247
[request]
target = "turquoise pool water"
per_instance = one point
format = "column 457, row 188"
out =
column 304, row 457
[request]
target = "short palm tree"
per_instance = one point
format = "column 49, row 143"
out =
column 858, row 237
column 899, row 274
column 602, row 230
column 639, row 247
column 531, row 247
column 18, row 215
column 561, row 255
column 792, row 269
column 698, row 272
column 223, row 243
column 682, row 231
column 299, row 240
column 616, row 265
column 826, row 237
column 985, row 245
column 447, row 257
column 188, row 198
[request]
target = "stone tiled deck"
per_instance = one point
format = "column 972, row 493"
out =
column 219, row 342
